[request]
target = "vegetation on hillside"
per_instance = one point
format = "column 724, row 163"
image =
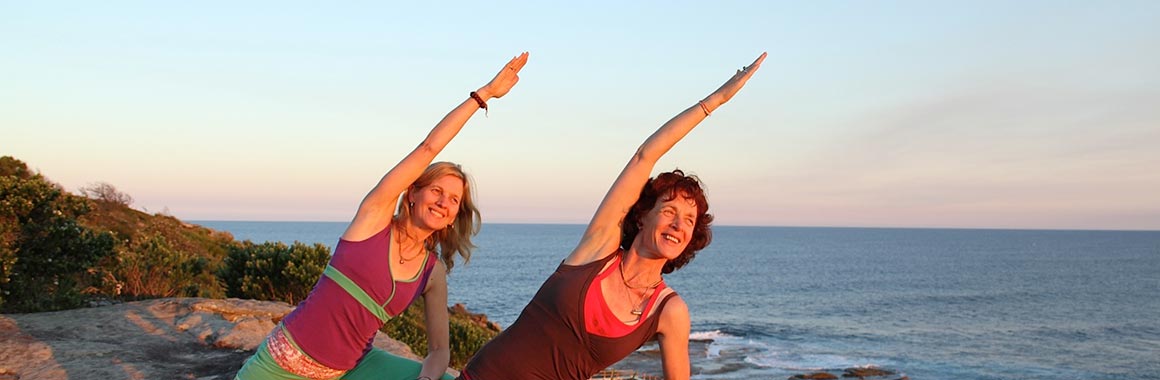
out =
column 48, row 259
column 60, row 250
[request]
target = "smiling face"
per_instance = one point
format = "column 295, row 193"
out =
column 667, row 229
column 671, row 214
column 437, row 204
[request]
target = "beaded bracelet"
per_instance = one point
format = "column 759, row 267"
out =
column 479, row 100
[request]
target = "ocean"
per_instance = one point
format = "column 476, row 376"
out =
column 771, row 302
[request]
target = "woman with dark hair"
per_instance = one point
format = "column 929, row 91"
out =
column 608, row 296
column 383, row 262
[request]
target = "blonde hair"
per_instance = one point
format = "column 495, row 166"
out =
column 456, row 238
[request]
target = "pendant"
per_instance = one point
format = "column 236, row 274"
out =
column 637, row 312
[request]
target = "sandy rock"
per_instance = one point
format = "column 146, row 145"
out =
column 171, row 338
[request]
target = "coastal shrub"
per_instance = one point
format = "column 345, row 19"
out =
column 151, row 267
column 9, row 239
column 47, row 257
column 11, row 167
column 157, row 255
column 105, row 192
column 273, row 271
column 409, row 328
column 467, row 337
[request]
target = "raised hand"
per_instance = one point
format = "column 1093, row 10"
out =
column 734, row 84
column 505, row 79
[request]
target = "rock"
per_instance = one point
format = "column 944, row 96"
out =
column 863, row 373
column 815, row 376
column 171, row 338
column 477, row 319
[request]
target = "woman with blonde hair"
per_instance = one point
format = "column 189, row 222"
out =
column 383, row 262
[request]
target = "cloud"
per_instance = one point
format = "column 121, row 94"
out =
column 1012, row 153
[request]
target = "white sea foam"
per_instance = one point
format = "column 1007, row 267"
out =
column 788, row 360
column 720, row 343
column 709, row 335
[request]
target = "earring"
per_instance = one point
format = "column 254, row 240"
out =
column 411, row 205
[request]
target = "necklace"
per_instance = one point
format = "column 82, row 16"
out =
column 399, row 245
column 406, row 259
column 638, row 305
column 625, row 279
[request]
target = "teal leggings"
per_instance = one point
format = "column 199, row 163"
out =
column 377, row 364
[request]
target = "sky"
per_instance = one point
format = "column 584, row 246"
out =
column 963, row 114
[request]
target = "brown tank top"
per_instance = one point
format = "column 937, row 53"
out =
column 548, row 340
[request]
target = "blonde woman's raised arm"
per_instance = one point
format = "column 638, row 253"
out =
column 377, row 208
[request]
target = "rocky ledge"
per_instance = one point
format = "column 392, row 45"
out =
column 170, row 338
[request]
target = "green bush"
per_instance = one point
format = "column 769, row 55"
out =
column 466, row 339
column 409, row 328
column 11, row 167
column 151, row 267
column 273, row 271
column 47, row 257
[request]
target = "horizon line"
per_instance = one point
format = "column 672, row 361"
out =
column 732, row 225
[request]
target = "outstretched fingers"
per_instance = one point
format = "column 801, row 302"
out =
column 507, row 77
column 737, row 81
column 514, row 66
column 747, row 71
column 518, row 62
column 757, row 62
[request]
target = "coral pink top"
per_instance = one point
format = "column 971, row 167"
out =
column 598, row 317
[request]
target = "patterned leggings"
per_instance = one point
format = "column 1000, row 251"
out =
column 377, row 364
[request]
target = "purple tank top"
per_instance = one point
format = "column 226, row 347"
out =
column 335, row 329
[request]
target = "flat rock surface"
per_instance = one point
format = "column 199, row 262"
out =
column 169, row 338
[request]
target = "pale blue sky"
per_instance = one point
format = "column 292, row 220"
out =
column 995, row 114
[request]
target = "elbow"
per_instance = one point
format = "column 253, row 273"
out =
column 641, row 156
column 441, row 355
column 436, row 347
column 426, row 148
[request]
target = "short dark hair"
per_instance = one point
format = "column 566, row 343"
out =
column 670, row 185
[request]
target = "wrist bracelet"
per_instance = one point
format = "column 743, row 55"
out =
column 482, row 104
column 704, row 107
column 425, row 377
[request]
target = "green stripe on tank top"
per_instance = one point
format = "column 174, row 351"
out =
column 358, row 293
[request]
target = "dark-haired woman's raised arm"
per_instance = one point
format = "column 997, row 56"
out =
column 603, row 234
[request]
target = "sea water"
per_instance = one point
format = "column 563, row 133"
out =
column 770, row 302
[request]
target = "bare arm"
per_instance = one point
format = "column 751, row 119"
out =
column 438, row 333
column 673, row 336
column 377, row 208
column 603, row 233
